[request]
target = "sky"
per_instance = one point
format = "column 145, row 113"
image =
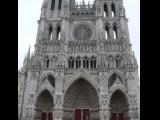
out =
column 29, row 14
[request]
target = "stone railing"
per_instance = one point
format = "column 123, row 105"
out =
column 83, row 10
column 48, row 46
column 82, row 46
column 113, row 45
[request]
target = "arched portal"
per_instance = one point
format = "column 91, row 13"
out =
column 81, row 101
column 44, row 106
column 119, row 106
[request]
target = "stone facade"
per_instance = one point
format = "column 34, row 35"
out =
column 82, row 60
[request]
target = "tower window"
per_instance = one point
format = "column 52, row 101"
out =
column 58, row 33
column 93, row 63
column 113, row 10
column 59, row 4
column 47, row 62
column 117, row 61
column 52, row 4
column 85, row 62
column 107, row 32
column 115, row 32
column 71, row 63
column 105, row 10
column 78, row 62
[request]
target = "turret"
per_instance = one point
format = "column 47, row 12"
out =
column 24, row 62
column 28, row 54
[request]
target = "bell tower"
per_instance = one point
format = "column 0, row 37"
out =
column 83, row 66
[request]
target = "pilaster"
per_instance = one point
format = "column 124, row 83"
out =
column 104, row 108
column 109, row 10
column 58, row 107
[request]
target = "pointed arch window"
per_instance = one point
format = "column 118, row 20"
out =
column 47, row 65
column 59, row 4
column 115, row 36
column 93, row 62
column 85, row 62
column 117, row 61
column 52, row 4
column 107, row 32
column 113, row 12
column 105, row 10
column 78, row 62
column 58, row 33
column 71, row 63
column 47, row 62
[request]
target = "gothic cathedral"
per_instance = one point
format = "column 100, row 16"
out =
column 82, row 67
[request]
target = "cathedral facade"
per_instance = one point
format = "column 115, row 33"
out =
column 82, row 67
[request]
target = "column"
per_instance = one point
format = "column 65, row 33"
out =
column 104, row 110
column 81, row 62
column 129, row 113
column 54, row 33
column 116, row 10
column 109, row 10
column 58, row 113
column 118, row 32
column 36, row 114
column 74, row 64
column 56, row 5
column 111, row 33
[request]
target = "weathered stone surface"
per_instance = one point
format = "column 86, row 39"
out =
column 83, row 60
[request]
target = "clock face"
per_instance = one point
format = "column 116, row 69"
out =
column 82, row 32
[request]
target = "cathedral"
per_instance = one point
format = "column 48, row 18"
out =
column 83, row 66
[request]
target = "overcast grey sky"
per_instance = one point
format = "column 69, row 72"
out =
column 29, row 13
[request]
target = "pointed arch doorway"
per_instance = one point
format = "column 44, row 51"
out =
column 119, row 106
column 81, row 101
column 44, row 106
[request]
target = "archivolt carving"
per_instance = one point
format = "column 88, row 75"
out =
column 43, row 88
column 81, row 94
column 81, row 75
column 121, row 90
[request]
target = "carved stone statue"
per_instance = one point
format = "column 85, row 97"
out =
column 62, row 35
column 122, row 11
column 65, row 8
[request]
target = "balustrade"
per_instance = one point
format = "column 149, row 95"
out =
column 82, row 46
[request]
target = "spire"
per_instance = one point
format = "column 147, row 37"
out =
column 122, row 11
column 44, row 5
column 24, row 59
column 32, row 55
column 28, row 54
column 24, row 62
column 83, row 3
column 135, row 61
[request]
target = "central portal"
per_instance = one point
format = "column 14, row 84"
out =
column 81, row 101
